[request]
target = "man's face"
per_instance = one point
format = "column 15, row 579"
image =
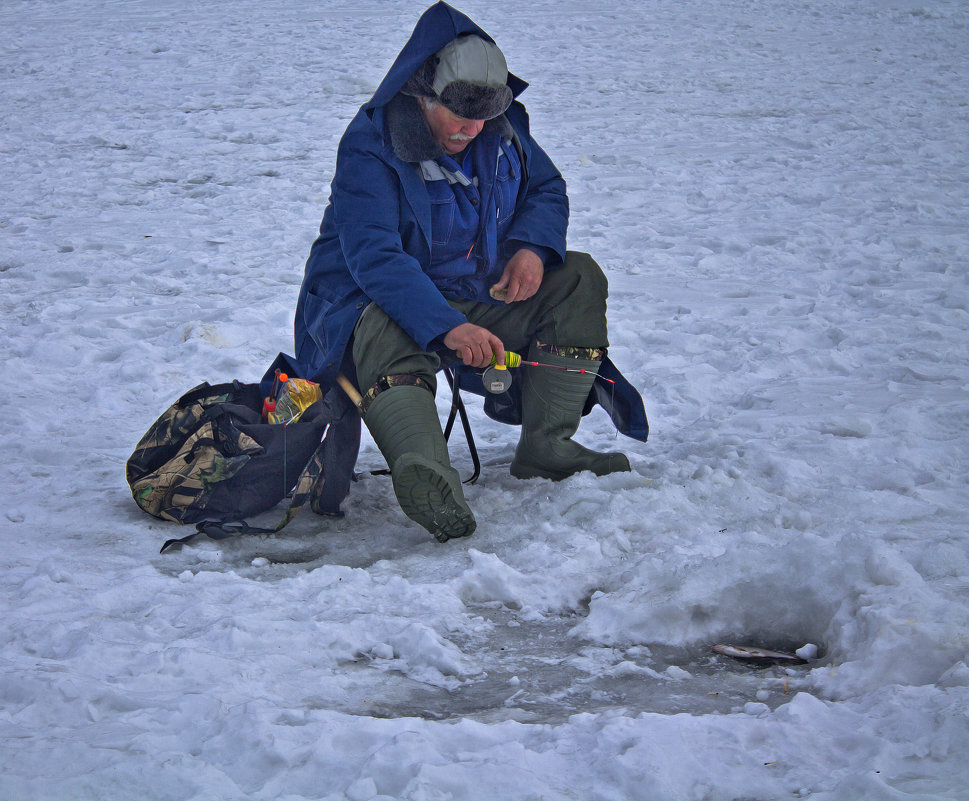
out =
column 451, row 132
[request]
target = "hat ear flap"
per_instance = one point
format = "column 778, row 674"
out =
column 420, row 84
column 476, row 102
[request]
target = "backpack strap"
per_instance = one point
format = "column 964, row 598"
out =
column 304, row 486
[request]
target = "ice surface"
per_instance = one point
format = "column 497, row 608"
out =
column 778, row 193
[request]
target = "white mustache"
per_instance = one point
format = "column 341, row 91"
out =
column 460, row 137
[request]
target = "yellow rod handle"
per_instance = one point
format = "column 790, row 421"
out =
column 512, row 359
column 351, row 391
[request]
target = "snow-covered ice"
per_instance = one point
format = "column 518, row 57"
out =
column 779, row 193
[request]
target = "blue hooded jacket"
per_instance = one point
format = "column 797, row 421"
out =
column 375, row 238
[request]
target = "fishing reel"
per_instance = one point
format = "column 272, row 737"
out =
column 496, row 379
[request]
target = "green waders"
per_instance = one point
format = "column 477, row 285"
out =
column 570, row 307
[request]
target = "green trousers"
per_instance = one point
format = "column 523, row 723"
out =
column 569, row 309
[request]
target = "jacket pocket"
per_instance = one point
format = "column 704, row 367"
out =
column 442, row 219
column 507, row 183
column 314, row 309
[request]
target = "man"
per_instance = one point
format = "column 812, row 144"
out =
column 445, row 235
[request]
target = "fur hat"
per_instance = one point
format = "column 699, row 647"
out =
column 468, row 76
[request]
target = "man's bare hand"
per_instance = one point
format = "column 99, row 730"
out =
column 475, row 345
column 521, row 278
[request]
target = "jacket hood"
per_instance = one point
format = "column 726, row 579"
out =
column 437, row 26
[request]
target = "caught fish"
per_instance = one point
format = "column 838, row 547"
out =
column 757, row 654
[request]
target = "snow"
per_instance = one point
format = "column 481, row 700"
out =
column 778, row 194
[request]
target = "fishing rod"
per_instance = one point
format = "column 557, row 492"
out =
column 497, row 379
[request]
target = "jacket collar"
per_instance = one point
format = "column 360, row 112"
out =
column 410, row 137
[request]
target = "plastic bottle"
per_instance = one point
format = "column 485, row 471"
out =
column 296, row 395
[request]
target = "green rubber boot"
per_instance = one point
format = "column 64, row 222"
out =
column 552, row 403
column 403, row 422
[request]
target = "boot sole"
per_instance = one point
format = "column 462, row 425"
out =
column 426, row 496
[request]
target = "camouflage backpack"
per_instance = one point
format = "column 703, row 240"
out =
column 212, row 460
